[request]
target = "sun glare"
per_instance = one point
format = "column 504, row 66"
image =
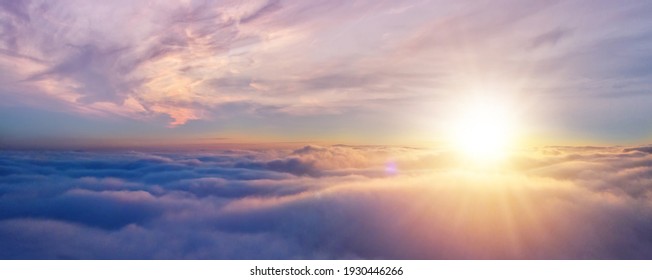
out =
column 483, row 130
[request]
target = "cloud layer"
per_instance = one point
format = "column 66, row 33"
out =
column 329, row 202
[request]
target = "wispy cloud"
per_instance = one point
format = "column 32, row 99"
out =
column 194, row 60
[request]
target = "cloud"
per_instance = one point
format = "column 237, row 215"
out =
column 325, row 202
column 550, row 38
column 139, row 61
column 189, row 60
column 642, row 149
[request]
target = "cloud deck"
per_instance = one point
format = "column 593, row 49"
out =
column 325, row 203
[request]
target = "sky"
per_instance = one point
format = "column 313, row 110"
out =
column 125, row 73
column 325, row 129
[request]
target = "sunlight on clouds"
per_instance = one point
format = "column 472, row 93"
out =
column 178, row 114
column 326, row 202
column 464, row 90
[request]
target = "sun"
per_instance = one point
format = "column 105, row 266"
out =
column 483, row 129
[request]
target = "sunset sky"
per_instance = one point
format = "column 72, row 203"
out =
column 79, row 73
column 325, row 129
